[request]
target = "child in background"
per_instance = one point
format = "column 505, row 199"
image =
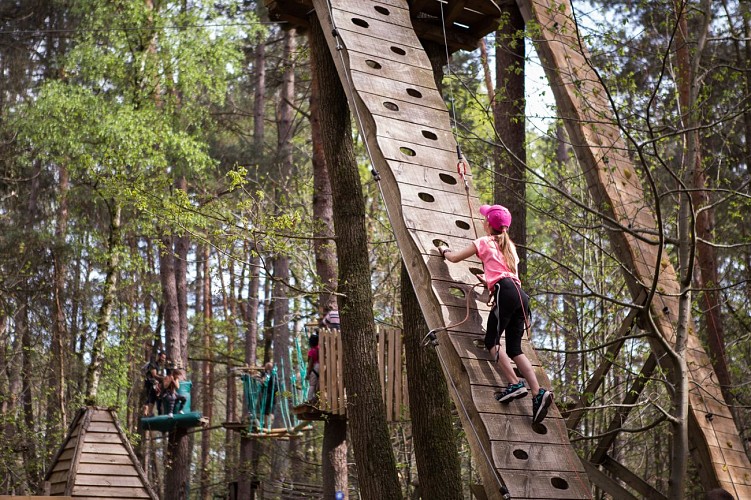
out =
column 171, row 397
column 312, row 372
column 511, row 311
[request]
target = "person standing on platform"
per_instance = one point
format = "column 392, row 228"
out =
column 313, row 370
column 154, row 373
column 510, row 312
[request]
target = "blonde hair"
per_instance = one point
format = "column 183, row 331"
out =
column 507, row 248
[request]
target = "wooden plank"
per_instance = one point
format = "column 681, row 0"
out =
column 102, row 427
column 104, row 448
column 350, row 27
column 58, row 489
column 389, row 382
column 107, row 469
column 393, row 13
column 506, row 427
column 606, row 483
column 411, row 135
column 23, row 497
column 67, row 454
column 396, row 91
column 408, row 56
column 109, row 481
column 546, row 485
column 638, row 484
column 516, row 455
column 61, row 465
column 101, row 415
column 398, row 369
column 341, row 402
column 96, row 491
column 60, row 476
column 443, row 158
column 104, row 458
column 102, row 437
column 486, row 373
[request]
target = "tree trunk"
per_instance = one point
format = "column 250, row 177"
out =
column 366, row 411
column 250, row 315
column 510, row 161
column 94, row 371
column 334, row 447
column 59, row 329
column 169, row 298
column 688, row 94
column 436, row 452
column 207, row 375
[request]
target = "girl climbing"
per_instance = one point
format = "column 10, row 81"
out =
column 511, row 309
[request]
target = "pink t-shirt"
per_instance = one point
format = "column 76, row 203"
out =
column 313, row 354
column 493, row 261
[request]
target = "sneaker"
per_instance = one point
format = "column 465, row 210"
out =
column 513, row 391
column 170, row 415
column 181, row 412
column 540, row 404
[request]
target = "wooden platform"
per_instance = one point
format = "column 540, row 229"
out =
column 464, row 22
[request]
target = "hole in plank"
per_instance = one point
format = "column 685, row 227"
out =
column 457, row 292
column 407, row 151
column 398, row 50
column 382, row 10
column 360, row 22
column 429, row 198
column 429, row 135
column 448, row 179
column 559, row 483
column 439, row 243
column 521, row 454
column 373, row 64
column 476, row 271
column 540, row 429
column 390, row 106
column 414, row 93
column 462, row 225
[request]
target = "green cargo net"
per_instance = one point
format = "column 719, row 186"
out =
column 284, row 384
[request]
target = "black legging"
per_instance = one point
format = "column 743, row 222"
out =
column 511, row 305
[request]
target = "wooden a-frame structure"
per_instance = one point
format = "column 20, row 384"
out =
column 96, row 461
column 389, row 83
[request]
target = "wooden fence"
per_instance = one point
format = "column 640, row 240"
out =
column 392, row 375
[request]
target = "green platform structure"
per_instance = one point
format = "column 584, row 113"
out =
column 186, row 419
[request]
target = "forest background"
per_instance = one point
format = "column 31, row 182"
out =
column 161, row 187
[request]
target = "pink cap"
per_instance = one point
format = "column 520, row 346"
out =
column 497, row 216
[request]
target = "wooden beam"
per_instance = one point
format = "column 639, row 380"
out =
column 642, row 487
column 607, row 483
column 426, row 30
column 576, row 411
column 632, row 395
column 454, row 11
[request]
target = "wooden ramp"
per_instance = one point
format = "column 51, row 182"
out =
column 96, row 461
column 390, row 85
